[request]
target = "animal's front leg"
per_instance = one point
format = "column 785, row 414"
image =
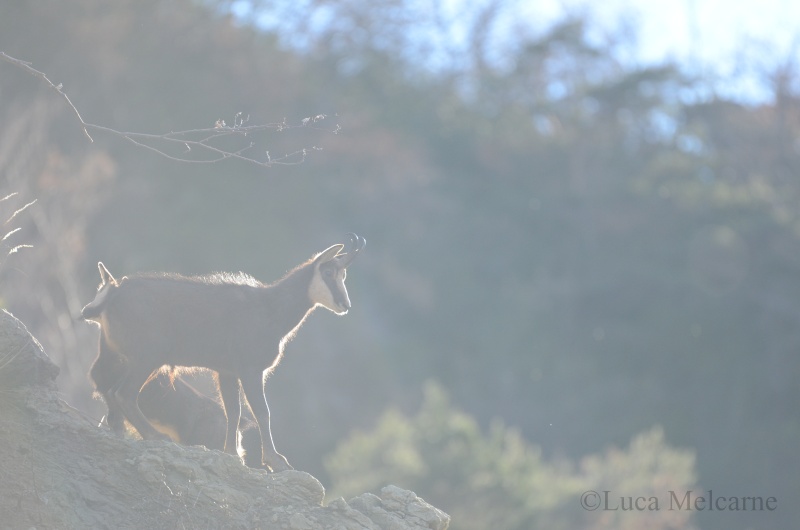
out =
column 253, row 387
column 107, row 371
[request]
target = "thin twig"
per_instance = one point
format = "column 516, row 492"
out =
column 9, row 234
column 3, row 244
column 18, row 248
column 28, row 68
column 202, row 145
column 19, row 211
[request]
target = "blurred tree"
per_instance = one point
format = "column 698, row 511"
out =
column 67, row 191
column 498, row 480
column 557, row 235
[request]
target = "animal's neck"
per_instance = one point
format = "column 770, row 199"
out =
column 288, row 301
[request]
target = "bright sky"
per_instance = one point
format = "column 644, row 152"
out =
column 736, row 41
column 706, row 34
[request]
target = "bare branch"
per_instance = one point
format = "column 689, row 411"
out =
column 3, row 244
column 198, row 142
column 9, row 234
column 19, row 211
column 27, row 67
column 18, row 248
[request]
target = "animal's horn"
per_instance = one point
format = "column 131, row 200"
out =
column 356, row 245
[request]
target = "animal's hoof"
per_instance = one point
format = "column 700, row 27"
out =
column 278, row 465
column 116, row 427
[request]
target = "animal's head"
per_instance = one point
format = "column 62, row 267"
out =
column 330, row 270
column 93, row 309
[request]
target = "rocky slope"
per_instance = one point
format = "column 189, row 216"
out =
column 58, row 470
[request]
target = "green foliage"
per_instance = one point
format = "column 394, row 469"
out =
column 557, row 236
column 499, row 480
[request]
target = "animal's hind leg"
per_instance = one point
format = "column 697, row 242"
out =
column 253, row 386
column 229, row 392
column 126, row 395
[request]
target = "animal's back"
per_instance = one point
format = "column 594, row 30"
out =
column 180, row 321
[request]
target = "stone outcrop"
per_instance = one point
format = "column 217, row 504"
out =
column 59, row 470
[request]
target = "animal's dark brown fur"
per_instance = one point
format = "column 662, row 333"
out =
column 220, row 322
column 189, row 417
column 177, row 409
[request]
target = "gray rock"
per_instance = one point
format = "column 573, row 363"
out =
column 398, row 509
column 23, row 361
column 59, row 470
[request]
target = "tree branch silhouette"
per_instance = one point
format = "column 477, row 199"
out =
column 5, row 248
column 198, row 141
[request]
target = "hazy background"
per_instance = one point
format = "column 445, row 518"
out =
column 583, row 254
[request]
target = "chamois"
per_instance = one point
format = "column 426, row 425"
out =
column 221, row 322
column 177, row 409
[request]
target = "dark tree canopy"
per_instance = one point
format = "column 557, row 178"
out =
column 580, row 247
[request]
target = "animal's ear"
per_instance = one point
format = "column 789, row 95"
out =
column 105, row 276
column 329, row 253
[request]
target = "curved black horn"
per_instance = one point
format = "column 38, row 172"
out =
column 356, row 245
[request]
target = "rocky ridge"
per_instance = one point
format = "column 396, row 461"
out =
column 58, row 470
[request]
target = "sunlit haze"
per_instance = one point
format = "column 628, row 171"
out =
column 728, row 38
column 733, row 44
